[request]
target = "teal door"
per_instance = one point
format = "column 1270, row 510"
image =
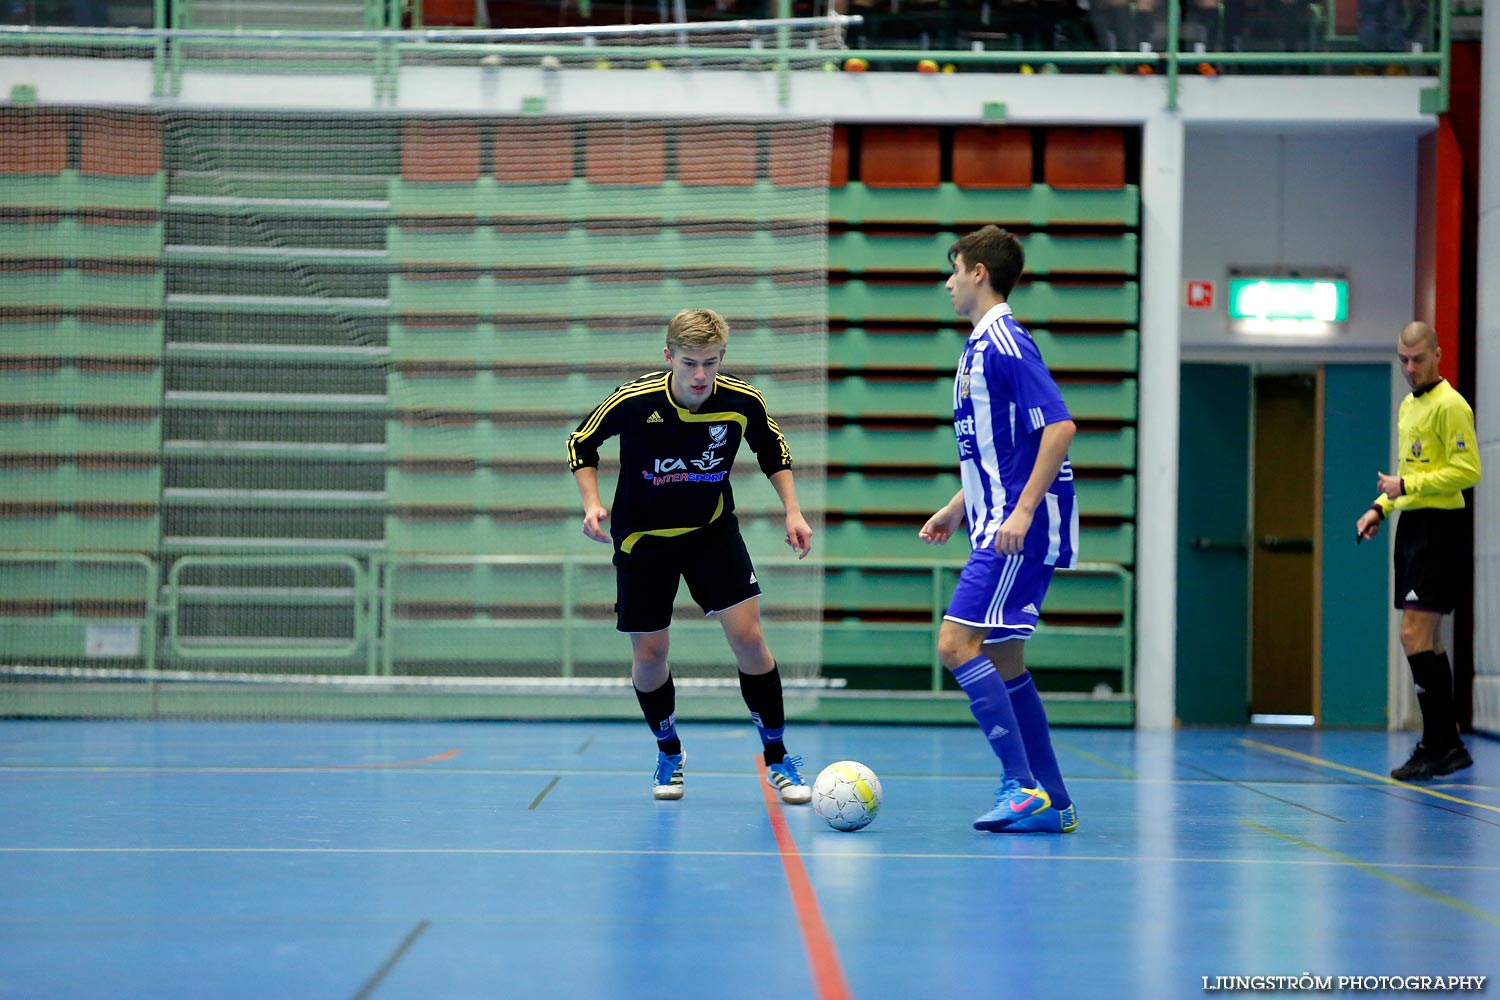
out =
column 1213, row 524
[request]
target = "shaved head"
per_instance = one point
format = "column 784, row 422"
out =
column 1419, row 334
column 1419, row 354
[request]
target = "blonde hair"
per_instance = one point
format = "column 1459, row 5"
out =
column 694, row 329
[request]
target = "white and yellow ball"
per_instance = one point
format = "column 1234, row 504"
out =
column 846, row 795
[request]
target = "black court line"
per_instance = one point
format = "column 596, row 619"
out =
column 1251, row 788
column 390, row 962
column 543, row 793
column 586, row 744
column 1423, row 800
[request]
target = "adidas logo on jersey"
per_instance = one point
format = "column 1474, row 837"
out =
column 655, row 418
column 1030, row 609
column 998, row 732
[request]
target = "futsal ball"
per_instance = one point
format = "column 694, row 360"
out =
column 846, row 795
column 854, row 64
column 927, row 66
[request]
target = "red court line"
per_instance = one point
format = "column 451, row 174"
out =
column 822, row 956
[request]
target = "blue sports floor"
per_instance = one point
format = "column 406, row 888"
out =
column 528, row 860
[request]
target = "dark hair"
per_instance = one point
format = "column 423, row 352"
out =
column 1000, row 253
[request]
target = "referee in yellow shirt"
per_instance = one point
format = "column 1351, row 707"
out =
column 1438, row 458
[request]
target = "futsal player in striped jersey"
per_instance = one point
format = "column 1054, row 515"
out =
column 1013, row 432
column 673, row 519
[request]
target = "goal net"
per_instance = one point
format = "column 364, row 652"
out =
column 284, row 391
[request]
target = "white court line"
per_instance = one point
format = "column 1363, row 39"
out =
column 839, row 855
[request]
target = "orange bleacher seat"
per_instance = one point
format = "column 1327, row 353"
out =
column 992, row 157
column 33, row 142
column 121, row 145
column 534, row 153
column 626, row 153
column 788, row 151
column 1085, row 158
column 716, row 155
column 448, row 13
column 893, row 156
column 445, row 152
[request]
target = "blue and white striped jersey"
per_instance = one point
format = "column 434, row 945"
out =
column 1003, row 395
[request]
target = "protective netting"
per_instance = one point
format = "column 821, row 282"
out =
column 284, row 396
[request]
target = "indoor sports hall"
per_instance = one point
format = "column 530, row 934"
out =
column 310, row 684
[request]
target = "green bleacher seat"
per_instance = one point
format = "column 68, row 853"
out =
column 948, row 205
column 864, row 445
column 79, row 528
column 81, row 383
column 1036, row 302
column 577, row 296
column 71, row 190
column 75, row 337
column 67, row 433
column 479, row 245
column 68, row 238
column 668, row 203
column 92, row 287
column 939, row 349
column 858, row 252
column 898, row 644
column 105, row 479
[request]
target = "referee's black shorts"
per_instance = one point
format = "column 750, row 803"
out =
column 713, row 560
column 1432, row 559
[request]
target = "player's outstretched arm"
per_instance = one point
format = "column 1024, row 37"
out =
column 594, row 512
column 798, row 532
column 941, row 526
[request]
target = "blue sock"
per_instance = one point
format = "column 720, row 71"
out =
column 1026, row 701
column 990, row 704
column 762, row 694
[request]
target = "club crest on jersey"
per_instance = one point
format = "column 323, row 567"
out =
column 963, row 384
column 1416, row 449
column 1461, row 444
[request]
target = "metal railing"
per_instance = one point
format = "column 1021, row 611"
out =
column 377, row 624
column 386, row 46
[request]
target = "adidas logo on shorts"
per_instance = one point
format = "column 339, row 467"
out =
column 1030, row 609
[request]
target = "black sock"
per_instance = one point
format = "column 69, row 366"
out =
column 660, row 709
column 1434, row 680
column 762, row 694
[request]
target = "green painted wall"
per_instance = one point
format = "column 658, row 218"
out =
column 1213, row 641
column 1355, row 578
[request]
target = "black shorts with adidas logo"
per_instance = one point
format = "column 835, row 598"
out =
column 713, row 560
column 1432, row 559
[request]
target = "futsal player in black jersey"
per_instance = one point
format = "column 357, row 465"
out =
column 1438, row 458
column 673, row 519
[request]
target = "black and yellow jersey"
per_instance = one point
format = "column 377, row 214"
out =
column 675, row 463
column 1438, row 456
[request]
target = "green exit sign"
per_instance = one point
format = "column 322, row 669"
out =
column 1317, row 299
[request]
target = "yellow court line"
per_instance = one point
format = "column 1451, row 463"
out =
column 1095, row 758
column 1272, row 748
column 648, row 852
column 1369, row 869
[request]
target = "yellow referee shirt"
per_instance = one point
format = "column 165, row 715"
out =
column 1438, row 453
